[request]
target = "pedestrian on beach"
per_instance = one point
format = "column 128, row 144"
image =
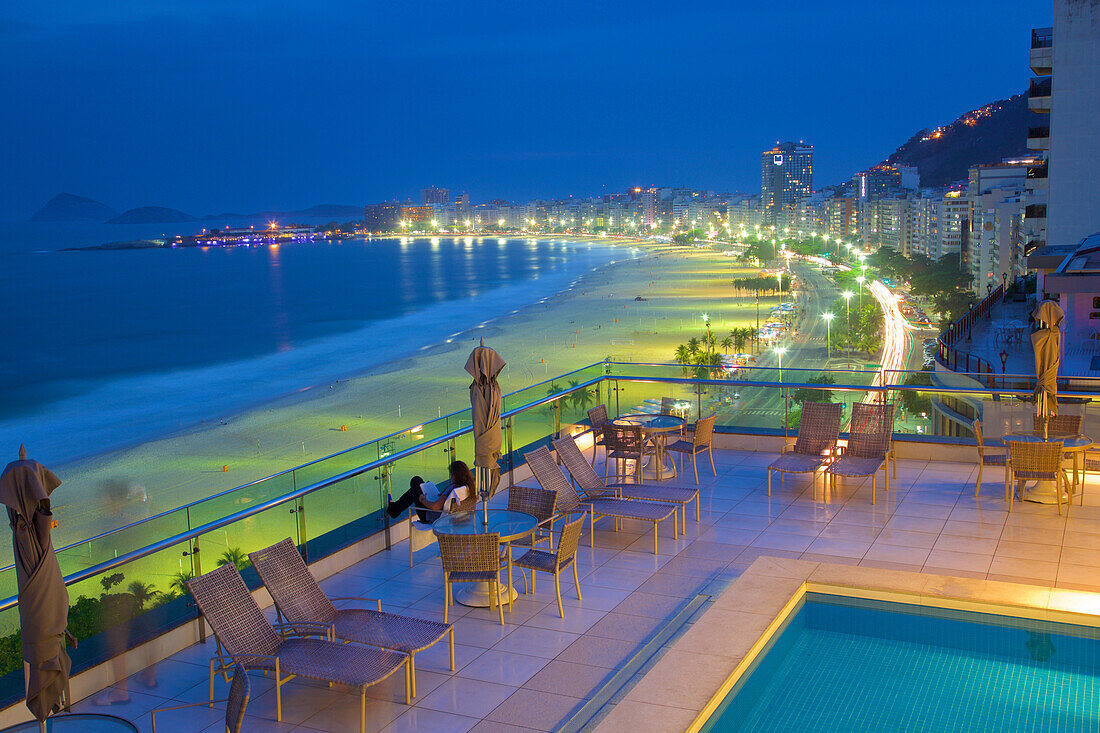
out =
column 430, row 502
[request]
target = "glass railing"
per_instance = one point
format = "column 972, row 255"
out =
column 127, row 586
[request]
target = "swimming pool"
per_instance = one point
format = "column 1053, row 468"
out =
column 846, row 664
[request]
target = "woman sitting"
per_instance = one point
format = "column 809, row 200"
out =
column 430, row 502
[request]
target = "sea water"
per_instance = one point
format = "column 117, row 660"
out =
column 100, row 349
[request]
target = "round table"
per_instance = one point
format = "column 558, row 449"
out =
column 657, row 428
column 83, row 722
column 511, row 526
column 1075, row 444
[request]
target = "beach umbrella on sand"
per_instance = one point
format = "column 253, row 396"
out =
column 25, row 488
column 1047, row 343
column 484, row 365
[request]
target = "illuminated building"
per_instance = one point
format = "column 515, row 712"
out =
column 416, row 214
column 432, row 195
column 786, row 175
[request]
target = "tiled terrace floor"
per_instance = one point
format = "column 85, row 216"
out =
column 537, row 669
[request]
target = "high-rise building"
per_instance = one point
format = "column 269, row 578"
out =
column 432, row 195
column 416, row 214
column 952, row 226
column 382, row 217
column 1038, row 135
column 786, row 175
column 1073, row 206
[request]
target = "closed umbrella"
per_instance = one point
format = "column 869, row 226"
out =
column 25, row 488
column 1047, row 343
column 484, row 365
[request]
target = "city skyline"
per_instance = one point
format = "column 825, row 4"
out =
column 516, row 104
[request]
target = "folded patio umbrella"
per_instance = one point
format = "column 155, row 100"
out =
column 1047, row 343
column 25, row 488
column 484, row 365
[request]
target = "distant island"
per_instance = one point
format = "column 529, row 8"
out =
column 151, row 215
column 70, row 207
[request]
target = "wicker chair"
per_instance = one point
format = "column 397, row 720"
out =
column 597, row 418
column 555, row 562
column 700, row 442
column 299, row 599
column 240, row 690
column 549, row 475
column 818, row 432
column 540, row 504
column 253, row 643
column 1035, row 461
column 421, row 534
column 985, row 458
column 471, row 558
column 623, row 443
column 1057, row 424
column 590, row 482
column 869, row 438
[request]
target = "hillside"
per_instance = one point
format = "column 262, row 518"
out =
column 69, row 207
column 985, row 135
column 151, row 215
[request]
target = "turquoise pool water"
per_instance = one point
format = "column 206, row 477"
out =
column 844, row 664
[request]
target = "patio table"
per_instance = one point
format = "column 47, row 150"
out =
column 511, row 525
column 655, row 428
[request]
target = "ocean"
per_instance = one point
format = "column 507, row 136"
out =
column 103, row 349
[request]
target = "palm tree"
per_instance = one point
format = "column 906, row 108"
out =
column 727, row 344
column 179, row 582
column 581, row 398
column 233, row 556
column 693, row 346
column 142, row 593
column 737, row 336
column 683, row 354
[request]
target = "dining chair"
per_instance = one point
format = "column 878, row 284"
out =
column 701, row 440
column 623, row 443
column 554, row 562
column 1031, row 461
column 598, row 419
column 985, row 457
column 471, row 558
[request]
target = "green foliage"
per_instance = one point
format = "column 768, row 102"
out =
column 866, row 325
column 110, row 581
column 179, row 582
column 917, row 402
column 808, row 394
column 234, row 556
column 762, row 284
column 142, row 593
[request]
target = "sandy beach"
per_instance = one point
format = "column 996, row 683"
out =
column 595, row 319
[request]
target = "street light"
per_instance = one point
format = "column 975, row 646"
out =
column 781, row 350
column 861, row 280
column 829, row 338
column 848, row 333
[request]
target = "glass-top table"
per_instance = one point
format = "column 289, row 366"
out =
column 511, row 525
column 83, row 722
column 1075, row 444
column 656, row 428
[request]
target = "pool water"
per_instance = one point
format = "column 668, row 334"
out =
column 844, row 664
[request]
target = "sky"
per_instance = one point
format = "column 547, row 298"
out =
column 220, row 105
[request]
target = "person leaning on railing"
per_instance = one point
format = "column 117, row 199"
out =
column 428, row 499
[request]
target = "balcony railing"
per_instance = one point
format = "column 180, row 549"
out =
column 957, row 360
column 1039, row 87
column 335, row 502
column 1042, row 38
column 1038, row 132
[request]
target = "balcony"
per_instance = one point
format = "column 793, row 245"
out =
column 1038, row 138
column 1035, row 211
column 1042, row 48
column 1038, row 94
column 539, row 671
column 1037, row 171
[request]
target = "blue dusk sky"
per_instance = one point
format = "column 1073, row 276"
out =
column 222, row 105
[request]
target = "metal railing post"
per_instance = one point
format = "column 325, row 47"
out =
column 299, row 511
column 511, row 455
column 196, row 571
column 385, row 481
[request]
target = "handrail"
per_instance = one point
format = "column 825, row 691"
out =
column 949, row 356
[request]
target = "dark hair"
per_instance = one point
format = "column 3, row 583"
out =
column 460, row 474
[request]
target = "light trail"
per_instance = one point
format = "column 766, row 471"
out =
column 896, row 328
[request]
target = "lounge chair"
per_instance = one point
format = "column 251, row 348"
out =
column 240, row 689
column 986, row 458
column 550, row 476
column 869, row 438
column 554, row 562
column 598, row 419
column 590, row 482
column 818, row 431
column 299, row 599
column 253, row 643
column 702, row 436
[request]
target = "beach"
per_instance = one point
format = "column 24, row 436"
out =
column 598, row 317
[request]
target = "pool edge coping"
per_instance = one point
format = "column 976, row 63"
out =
column 772, row 588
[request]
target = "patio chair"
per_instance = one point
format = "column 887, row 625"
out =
column 590, row 482
column 240, row 689
column 554, row 562
column 421, row 534
column 471, row 558
column 597, row 418
column 623, row 443
column 299, row 600
column 986, row 458
column 549, row 475
column 540, row 504
column 1035, row 461
column 869, row 436
column 1059, row 424
column 701, row 441
column 818, row 432
column 253, row 643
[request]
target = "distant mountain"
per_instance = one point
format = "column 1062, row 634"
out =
column 151, row 215
column 985, row 135
column 69, row 207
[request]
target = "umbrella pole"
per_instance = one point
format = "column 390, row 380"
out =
column 483, row 489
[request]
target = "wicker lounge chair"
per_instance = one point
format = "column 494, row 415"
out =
column 471, row 558
column 590, row 482
column 299, row 599
column 1035, row 462
column 550, row 476
column 701, row 438
column 985, row 458
column 555, row 562
column 623, row 443
column 240, row 689
column 869, row 438
column 597, row 418
column 253, row 643
column 818, row 431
